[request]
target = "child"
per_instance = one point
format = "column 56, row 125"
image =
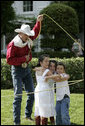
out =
column 63, row 97
column 44, row 102
column 52, row 68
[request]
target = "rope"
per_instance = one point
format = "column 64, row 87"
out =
column 39, row 31
column 75, row 82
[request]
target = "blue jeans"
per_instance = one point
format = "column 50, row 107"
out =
column 22, row 77
column 62, row 112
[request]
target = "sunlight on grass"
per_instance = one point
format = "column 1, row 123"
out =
column 76, row 109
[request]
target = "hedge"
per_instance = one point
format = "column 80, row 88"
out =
column 74, row 67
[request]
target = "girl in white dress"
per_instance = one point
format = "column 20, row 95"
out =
column 52, row 68
column 44, row 101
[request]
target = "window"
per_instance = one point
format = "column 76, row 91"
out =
column 27, row 6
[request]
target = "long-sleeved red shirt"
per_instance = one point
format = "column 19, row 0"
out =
column 16, row 55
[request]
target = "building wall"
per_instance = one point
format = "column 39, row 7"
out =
column 37, row 6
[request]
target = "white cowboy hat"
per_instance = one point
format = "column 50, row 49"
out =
column 26, row 30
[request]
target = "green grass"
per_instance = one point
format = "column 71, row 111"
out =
column 76, row 109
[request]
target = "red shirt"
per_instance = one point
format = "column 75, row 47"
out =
column 16, row 55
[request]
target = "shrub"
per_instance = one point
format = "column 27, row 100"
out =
column 64, row 15
column 6, row 79
column 67, row 18
column 3, row 55
column 74, row 67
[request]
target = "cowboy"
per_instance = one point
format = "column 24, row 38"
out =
column 18, row 56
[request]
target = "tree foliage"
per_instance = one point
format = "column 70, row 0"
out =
column 79, row 8
column 7, row 16
column 67, row 18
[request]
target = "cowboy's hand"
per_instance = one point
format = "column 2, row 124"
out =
column 27, row 58
column 40, row 17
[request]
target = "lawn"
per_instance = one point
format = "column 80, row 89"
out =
column 76, row 109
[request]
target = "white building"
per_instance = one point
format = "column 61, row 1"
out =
column 29, row 8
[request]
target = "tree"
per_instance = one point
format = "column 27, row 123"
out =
column 79, row 8
column 7, row 16
column 67, row 18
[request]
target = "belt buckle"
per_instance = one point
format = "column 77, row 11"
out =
column 24, row 65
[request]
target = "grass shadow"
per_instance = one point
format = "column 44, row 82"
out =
column 71, row 123
column 74, row 124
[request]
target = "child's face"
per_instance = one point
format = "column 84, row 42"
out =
column 45, row 62
column 60, row 69
column 52, row 67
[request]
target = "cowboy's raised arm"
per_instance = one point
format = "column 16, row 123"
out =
column 37, row 27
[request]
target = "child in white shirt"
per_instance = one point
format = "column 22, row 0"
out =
column 62, row 97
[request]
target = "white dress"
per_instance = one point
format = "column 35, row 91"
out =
column 44, row 101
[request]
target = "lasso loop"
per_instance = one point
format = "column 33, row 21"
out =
column 73, row 83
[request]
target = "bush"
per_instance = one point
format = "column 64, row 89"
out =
column 74, row 67
column 3, row 55
column 53, row 36
column 64, row 15
column 6, row 79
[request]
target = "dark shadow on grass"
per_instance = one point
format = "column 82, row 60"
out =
column 71, row 123
column 74, row 124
